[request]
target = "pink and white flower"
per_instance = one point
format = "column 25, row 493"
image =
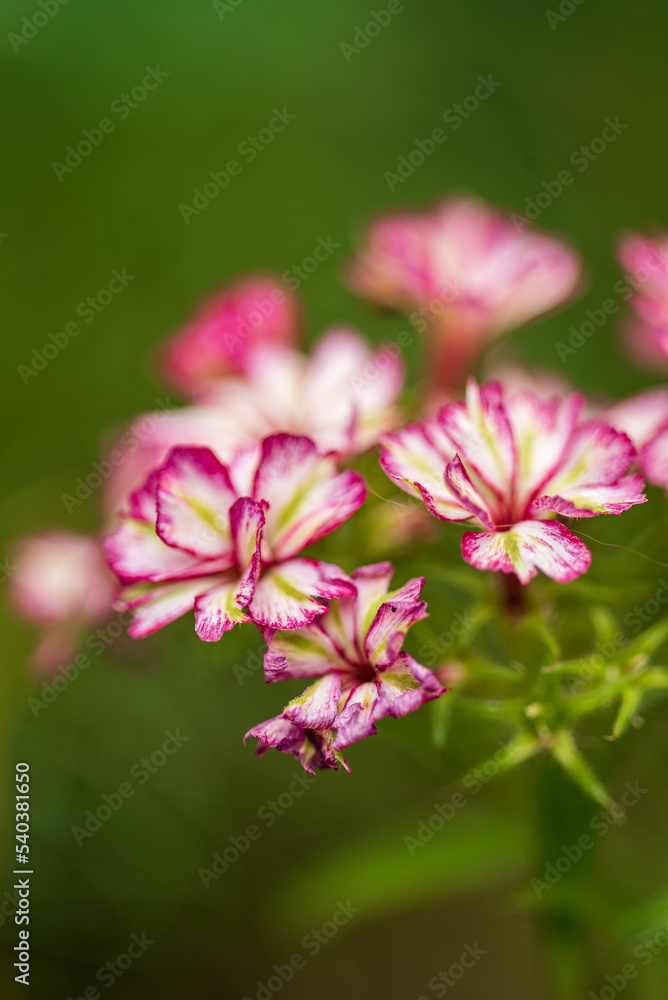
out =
column 61, row 583
column 354, row 652
column 510, row 463
column 222, row 539
column 255, row 310
column 342, row 394
column 644, row 417
column 467, row 274
column 645, row 262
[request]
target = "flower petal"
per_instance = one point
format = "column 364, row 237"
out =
column 316, row 708
column 654, row 459
column 445, row 510
column 418, row 453
column 641, row 416
column 246, row 523
column 278, row 732
column 481, row 433
column 194, row 496
column 216, row 341
column 312, row 748
column 219, row 608
column 154, row 607
column 307, row 497
column 371, row 585
column 407, row 686
column 300, row 652
column 528, row 547
column 135, row 552
column 588, row 501
column 457, row 479
column 362, row 709
column 597, row 455
column 286, row 594
column 397, row 692
column 349, row 389
column 542, row 429
column 387, row 631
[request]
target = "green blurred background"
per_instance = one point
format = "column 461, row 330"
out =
column 322, row 177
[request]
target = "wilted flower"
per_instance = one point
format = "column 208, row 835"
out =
column 255, row 310
column 222, row 539
column 465, row 274
column 644, row 418
column 61, row 583
column 510, row 463
column 646, row 264
column 363, row 675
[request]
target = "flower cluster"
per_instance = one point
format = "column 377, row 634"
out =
column 214, row 509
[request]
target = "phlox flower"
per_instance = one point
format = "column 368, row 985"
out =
column 646, row 264
column 216, row 342
column 355, row 652
column 510, row 463
column 465, row 273
column 222, row 539
column 342, row 396
column 644, row 417
column 59, row 581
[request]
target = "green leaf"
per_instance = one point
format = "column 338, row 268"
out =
column 546, row 633
column 440, row 719
column 520, row 748
column 648, row 641
column 648, row 918
column 565, row 752
column 628, row 709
